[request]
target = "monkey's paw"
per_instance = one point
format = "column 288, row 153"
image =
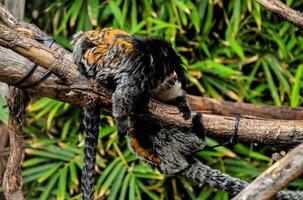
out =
column 186, row 113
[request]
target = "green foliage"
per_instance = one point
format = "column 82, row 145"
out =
column 232, row 50
column 3, row 110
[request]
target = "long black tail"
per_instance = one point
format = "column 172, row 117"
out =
column 91, row 124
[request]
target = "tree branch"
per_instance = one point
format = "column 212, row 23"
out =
column 197, row 103
column 275, row 178
column 12, row 180
column 266, row 131
column 251, row 130
column 284, row 11
column 3, row 141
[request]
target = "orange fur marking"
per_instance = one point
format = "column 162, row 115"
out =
column 135, row 144
column 106, row 40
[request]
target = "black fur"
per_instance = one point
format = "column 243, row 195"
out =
column 134, row 75
column 152, row 61
column 133, row 72
column 172, row 144
column 91, row 124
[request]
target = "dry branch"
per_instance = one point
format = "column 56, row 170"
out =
column 284, row 11
column 275, row 178
column 3, row 141
column 197, row 103
column 279, row 132
column 12, row 179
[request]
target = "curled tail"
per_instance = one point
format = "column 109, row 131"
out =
column 91, row 124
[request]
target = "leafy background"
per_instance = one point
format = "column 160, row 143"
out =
column 233, row 50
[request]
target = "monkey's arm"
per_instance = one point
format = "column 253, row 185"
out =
column 128, row 99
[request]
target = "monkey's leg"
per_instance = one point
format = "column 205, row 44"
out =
column 127, row 101
column 91, row 123
column 182, row 104
column 138, row 149
column 198, row 127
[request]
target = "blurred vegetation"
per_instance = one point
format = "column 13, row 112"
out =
column 233, row 50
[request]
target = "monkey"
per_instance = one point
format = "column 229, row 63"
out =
column 136, row 68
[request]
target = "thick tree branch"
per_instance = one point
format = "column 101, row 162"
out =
column 275, row 178
column 284, row 11
column 251, row 130
column 197, row 103
column 266, row 131
column 3, row 141
column 12, row 180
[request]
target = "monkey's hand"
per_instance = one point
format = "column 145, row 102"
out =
column 185, row 110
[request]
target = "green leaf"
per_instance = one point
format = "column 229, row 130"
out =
column 33, row 161
column 77, row 5
column 275, row 66
column 62, row 184
column 93, row 11
column 124, row 187
column 52, row 114
column 236, row 47
column 215, row 68
column 132, row 187
column 244, row 150
column 117, row 13
column 49, row 187
column 49, row 173
column 151, row 194
column 205, row 193
column 134, row 14
column 46, row 154
column 73, row 179
column 38, row 169
column 66, row 128
column 106, row 172
column 209, row 21
column 272, row 87
column 3, row 111
column 295, row 92
column 257, row 14
column 111, row 177
column 116, row 185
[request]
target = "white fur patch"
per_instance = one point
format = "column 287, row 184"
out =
column 169, row 89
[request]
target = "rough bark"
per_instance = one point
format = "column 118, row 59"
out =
column 3, row 141
column 275, row 178
column 17, row 9
column 12, row 179
column 284, row 11
column 266, row 131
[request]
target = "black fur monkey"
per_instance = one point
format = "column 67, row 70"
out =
column 136, row 68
